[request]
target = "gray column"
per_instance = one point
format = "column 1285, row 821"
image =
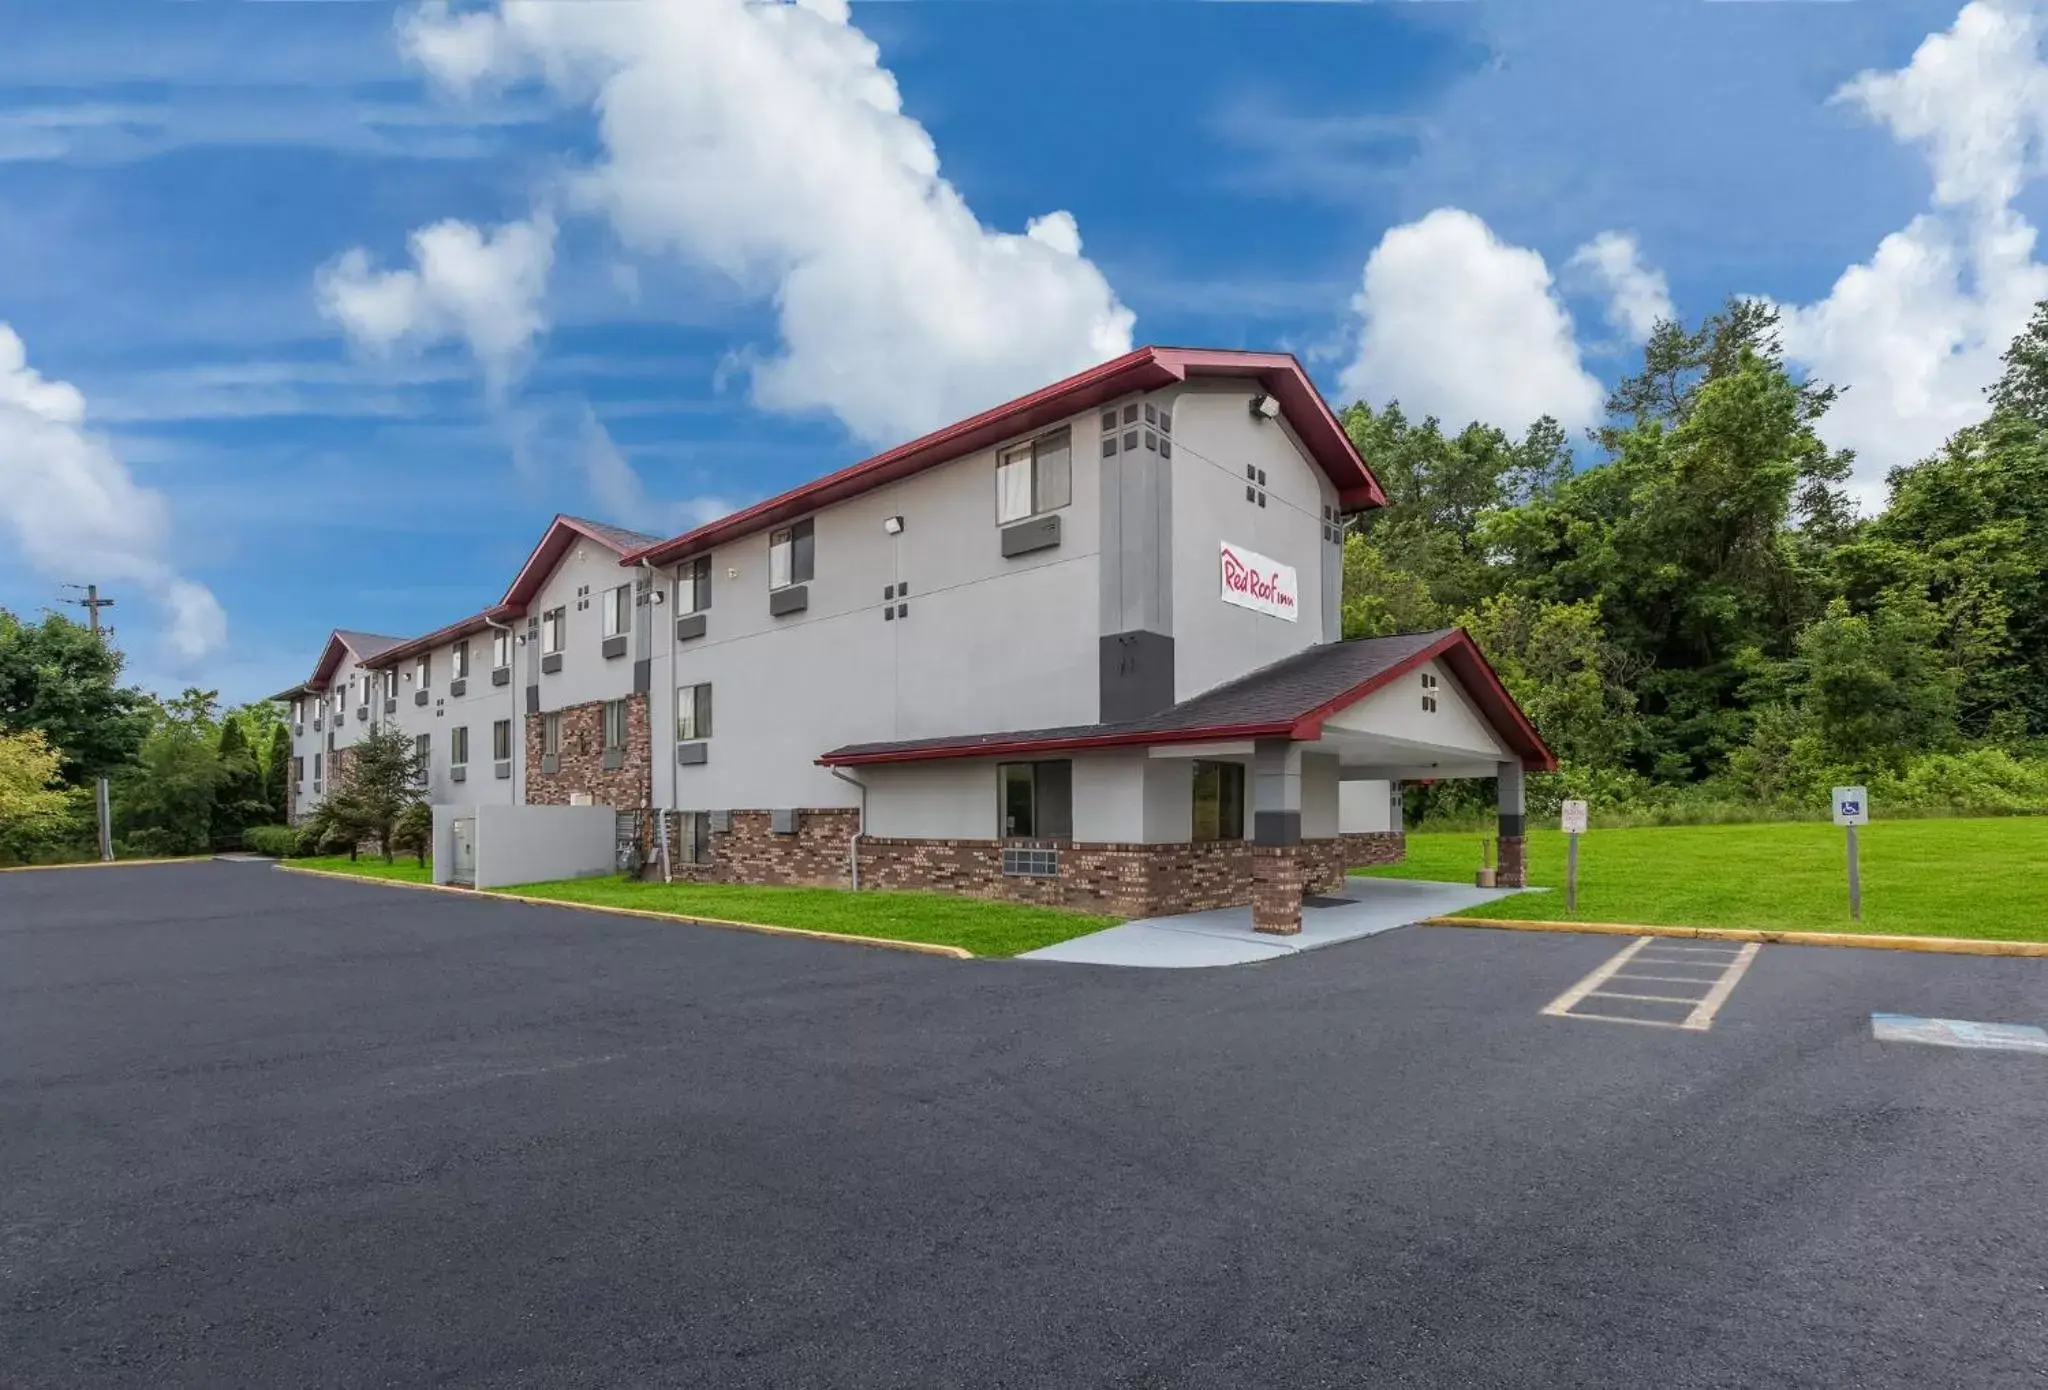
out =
column 1276, row 792
column 1514, row 819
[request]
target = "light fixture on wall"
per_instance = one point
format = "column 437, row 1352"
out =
column 655, row 596
column 732, row 571
column 894, row 525
column 1265, row 407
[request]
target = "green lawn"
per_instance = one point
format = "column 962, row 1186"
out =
column 404, row 868
column 1980, row 878
column 984, row 928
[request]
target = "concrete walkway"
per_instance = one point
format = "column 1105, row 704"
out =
column 1224, row 936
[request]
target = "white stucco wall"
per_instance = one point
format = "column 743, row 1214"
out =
column 1365, row 806
column 1395, row 711
column 1319, row 817
column 529, row 844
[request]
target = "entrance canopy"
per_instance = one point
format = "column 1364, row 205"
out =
column 1417, row 706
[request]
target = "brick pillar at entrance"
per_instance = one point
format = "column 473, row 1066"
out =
column 1277, row 884
column 1513, row 871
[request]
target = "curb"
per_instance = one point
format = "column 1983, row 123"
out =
column 1933, row 945
column 108, row 864
column 923, row 948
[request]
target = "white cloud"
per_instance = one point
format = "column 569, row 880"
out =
column 1458, row 324
column 76, row 512
column 766, row 142
column 1916, row 331
column 484, row 288
column 1637, row 295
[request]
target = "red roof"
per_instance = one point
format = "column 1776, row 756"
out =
column 562, row 533
column 1289, row 699
column 475, row 622
column 1147, row 369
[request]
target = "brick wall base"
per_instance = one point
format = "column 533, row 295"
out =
column 1121, row 880
column 582, row 768
column 1368, row 849
column 1279, row 875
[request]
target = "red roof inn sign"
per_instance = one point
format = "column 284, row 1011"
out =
column 1262, row 585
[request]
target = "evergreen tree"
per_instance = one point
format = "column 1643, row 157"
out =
column 238, row 798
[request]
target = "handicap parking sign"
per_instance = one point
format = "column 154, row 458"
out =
column 1852, row 806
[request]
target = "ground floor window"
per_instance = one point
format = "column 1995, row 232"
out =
column 551, row 734
column 1219, row 801
column 615, row 720
column 1036, row 800
column 691, row 831
column 501, row 741
column 458, row 747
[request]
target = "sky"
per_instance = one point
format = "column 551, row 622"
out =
column 312, row 315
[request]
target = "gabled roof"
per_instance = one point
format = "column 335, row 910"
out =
column 1147, row 369
column 363, row 646
column 1288, row 699
column 462, row 627
column 563, row 532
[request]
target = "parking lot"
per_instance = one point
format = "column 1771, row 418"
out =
column 261, row 1129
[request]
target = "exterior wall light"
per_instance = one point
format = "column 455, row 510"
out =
column 1265, row 407
column 894, row 526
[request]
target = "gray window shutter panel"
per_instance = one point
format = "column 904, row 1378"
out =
column 704, row 711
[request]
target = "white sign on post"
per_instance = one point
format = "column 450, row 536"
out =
column 1852, row 806
column 1574, row 817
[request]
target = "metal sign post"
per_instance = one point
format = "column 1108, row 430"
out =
column 1574, row 821
column 1852, row 808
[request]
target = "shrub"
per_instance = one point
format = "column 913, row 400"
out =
column 306, row 840
column 277, row 841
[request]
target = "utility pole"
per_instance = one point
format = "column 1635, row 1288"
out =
column 92, row 603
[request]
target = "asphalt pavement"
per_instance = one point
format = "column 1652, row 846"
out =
column 259, row 1129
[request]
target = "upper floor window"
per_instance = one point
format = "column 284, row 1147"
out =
column 552, row 623
column 501, row 650
column 352, row 700
column 790, row 554
column 615, row 724
column 459, row 661
column 1036, row 799
column 299, row 769
column 693, row 713
column 389, row 680
column 1035, row 477
column 551, row 733
column 501, row 740
column 423, row 671
column 618, row 611
column 693, row 585
column 458, row 746
column 423, row 749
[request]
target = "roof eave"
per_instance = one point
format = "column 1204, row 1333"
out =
column 1076, row 743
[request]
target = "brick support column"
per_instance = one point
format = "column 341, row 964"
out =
column 1277, row 882
column 1514, row 826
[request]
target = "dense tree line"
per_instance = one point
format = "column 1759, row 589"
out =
column 186, row 777
column 1696, row 616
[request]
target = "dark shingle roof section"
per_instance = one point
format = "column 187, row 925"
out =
column 1270, row 699
column 368, row 644
column 617, row 537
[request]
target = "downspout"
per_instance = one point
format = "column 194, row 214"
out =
column 654, row 603
column 519, row 742
column 853, row 844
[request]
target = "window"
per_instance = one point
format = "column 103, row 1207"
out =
column 298, row 771
column 1428, row 693
column 552, row 624
column 693, row 713
column 422, row 672
column 693, row 586
column 353, row 697
column 692, row 834
column 1036, row 799
column 390, row 680
column 551, row 734
column 618, row 611
column 1125, row 433
column 316, row 767
column 501, row 741
column 615, row 722
column 790, row 555
column 501, row 650
column 458, row 662
column 458, row 747
column 1035, row 477
column 423, row 747
column 1219, row 801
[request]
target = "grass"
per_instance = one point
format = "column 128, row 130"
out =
column 984, row 928
column 404, row 868
column 1964, row 878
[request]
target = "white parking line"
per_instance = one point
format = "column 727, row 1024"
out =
column 1726, row 964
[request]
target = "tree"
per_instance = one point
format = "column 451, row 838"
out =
column 33, row 806
column 414, row 831
column 1874, row 686
column 238, row 798
column 384, row 776
column 56, row 676
column 1556, row 661
column 277, row 776
column 164, row 803
column 2022, row 390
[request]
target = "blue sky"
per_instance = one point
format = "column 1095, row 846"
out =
column 726, row 285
